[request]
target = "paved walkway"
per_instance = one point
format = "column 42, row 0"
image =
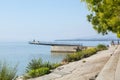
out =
column 80, row 70
column 111, row 70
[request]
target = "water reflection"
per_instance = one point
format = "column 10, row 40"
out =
column 58, row 57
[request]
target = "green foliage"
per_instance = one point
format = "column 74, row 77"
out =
column 7, row 73
column 37, row 68
column 71, row 58
column 47, row 64
column 89, row 52
column 39, row 72
column 34, row 64
column 55, row 65
column 84, row 53
column 105, row 15
column 84, row 61
column 79, row 55
column 101, row 47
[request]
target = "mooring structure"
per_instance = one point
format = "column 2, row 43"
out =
column 68, row 47
column 60, row 47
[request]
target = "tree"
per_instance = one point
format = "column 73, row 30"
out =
column 104, row 15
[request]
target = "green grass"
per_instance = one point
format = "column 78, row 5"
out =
column 7, row 72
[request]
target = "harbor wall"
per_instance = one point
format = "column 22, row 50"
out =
column 68, row 49
column 64, row 49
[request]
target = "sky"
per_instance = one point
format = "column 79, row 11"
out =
column 44, row 20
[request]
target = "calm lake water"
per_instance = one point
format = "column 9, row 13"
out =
column 21, row 53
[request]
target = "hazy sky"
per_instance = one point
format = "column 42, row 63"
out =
column 24, row 20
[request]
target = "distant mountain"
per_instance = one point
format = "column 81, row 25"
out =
column 93, row 38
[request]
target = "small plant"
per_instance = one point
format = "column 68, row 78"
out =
column 39, row 72
column 101, row 47
column 55, row 65
column 89, row 52
column 34, row 64
column 84, row 61
column 37, row 68
column 79, row 55
column 7, row 73
column 47, row 64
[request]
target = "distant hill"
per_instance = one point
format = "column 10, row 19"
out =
column 93, row 38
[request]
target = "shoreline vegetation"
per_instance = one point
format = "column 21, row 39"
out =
column 7, row 72
column 84, row 53
column 37, row 68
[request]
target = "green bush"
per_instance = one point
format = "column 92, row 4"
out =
column 47, row 64
column 101, row 47
column 84, row 53
column 55, row 65
column 73, row 57
column 89, row 52
column 79, row 55
column 7, row 73
column 70, row 58
column 37, row 68
column 51, row 65
column 34, row 64
column 84, row 61
column 39, row 72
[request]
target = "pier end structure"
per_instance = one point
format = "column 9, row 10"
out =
column 68, row 49
column 62, row 47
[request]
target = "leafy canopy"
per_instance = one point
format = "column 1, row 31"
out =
column 105, row 15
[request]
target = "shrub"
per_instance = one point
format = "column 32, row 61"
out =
column 83, row 61
column 47, row 64
column 39, row 72
column 51, row 65
column 7, row 73
column 73, row 57
column 55, row 65
column 34, row 64
column 84, row 53
column 89, row 52
column 101, row 47
column 37, row 68
column 79, row 55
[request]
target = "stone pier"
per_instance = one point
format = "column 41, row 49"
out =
column 64, row 49
column 67, row 49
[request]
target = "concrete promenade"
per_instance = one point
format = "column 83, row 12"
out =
column 111, row 70
column 88, row 68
